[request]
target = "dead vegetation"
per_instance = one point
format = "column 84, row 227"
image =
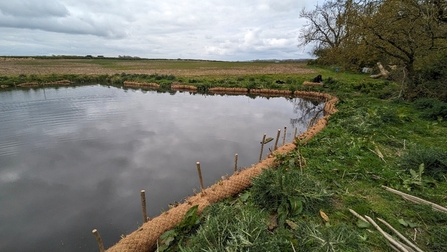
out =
column 37, row 66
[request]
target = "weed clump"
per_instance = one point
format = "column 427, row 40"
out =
column 171, row 239
column 311, row 237
column 289, row 193
column 431, row 109
column 235, row 228
column 434, row 160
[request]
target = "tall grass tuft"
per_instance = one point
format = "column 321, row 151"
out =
column 434, row 160
column 235, row 228
column 341, row 237
column 289, row 193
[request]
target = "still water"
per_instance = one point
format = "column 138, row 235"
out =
column 75, row 158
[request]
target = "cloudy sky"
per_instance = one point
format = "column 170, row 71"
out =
column 188, row 29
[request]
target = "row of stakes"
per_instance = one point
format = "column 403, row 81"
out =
column 202, row 188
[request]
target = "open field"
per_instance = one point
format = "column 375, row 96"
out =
column 180, row 68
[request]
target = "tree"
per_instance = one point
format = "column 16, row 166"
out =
column 408, row 33
column 405, row 32
column 331, row 27
column 326, row 27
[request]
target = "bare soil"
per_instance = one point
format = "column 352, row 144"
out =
column 17, row 66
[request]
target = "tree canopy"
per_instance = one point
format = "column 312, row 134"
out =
column 411, row 34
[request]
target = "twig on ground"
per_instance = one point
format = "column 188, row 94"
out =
column 378, row 152
column 357, row 215
column 416, row 200
column 395, row 243
column 401, row 236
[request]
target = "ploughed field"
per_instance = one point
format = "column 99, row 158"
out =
column 97, row 66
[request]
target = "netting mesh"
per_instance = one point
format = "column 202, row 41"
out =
column 145, row 238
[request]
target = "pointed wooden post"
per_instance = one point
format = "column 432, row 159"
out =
column 284, row 138
column 277, row 138
column 143, row 205
column 296, row 131
column 262, row 147
column 99, row 240
column 200, row 176
column 235, row 162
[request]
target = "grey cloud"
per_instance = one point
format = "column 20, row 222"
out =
column 30, row 8
column 52, row 16
column 68, row 25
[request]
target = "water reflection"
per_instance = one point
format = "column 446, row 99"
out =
column 74, row 159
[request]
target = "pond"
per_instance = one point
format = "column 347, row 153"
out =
column 73, row 159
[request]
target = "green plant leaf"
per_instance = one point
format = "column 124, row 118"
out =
column 168, row 237
column 411, row 224
column 191, row 212
column 244, row 197
column 169, row 240
column 190, row 218
column 363, row 237
column 421, row 169
column 413, row 174
column 296, row 205
column 403, row 222
column 363, row 224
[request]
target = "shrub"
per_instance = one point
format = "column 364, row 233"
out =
column 432, row 109
column 289, row 193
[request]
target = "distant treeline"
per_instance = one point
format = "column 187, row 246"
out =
column 127, row 57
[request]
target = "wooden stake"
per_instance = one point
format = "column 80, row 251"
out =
column 296, row 131
column 200, row 176
column 235, row 162
column 416, row 200
column 277, row 138
column 143, row 205
column 262, row 147
column 358, row 215
column 284, row 137
column 299, row 156
column 409, row 243
column 395, row 243
column 99, row 240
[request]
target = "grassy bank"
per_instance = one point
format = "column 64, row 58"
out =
column 376, row 139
